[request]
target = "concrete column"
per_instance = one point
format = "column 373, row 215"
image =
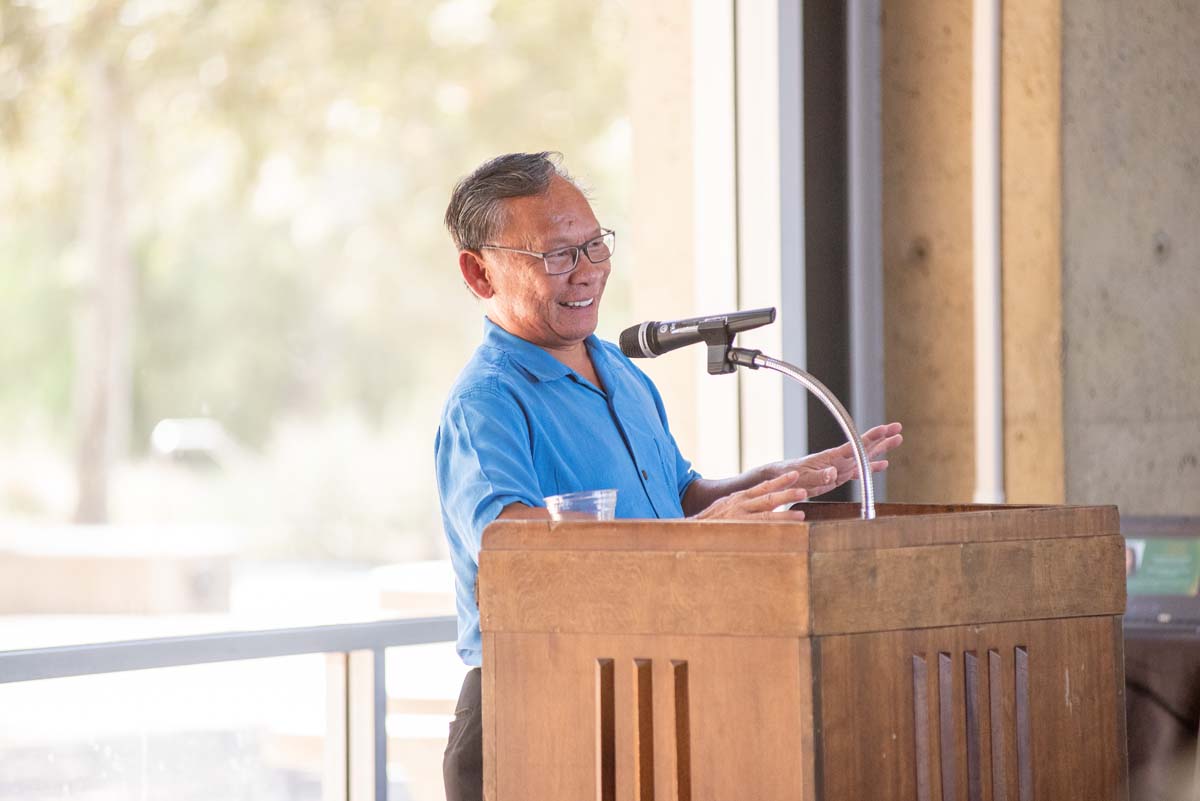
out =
column 1031, row 236
column 926, row 137
column 928, row 248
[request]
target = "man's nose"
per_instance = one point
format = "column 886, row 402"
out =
column 585, row 272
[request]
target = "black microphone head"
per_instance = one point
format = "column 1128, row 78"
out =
column 630, row 342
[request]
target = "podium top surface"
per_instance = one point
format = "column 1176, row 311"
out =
column 832, row 526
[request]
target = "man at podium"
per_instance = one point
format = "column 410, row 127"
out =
column 545, row 407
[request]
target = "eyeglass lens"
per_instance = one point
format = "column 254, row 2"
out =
column 597, row 251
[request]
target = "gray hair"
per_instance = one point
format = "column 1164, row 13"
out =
column 476, row 210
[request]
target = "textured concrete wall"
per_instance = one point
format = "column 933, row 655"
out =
column 1131, row 278
column 926, row 97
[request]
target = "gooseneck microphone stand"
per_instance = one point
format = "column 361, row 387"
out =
column 724, row 358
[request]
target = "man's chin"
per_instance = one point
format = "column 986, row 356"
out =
column 575, row 331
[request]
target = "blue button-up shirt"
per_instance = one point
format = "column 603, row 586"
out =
column 520, row 425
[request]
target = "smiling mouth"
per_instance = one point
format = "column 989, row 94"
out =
column 578, row 304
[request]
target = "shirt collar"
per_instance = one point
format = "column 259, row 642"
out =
column 533, row 359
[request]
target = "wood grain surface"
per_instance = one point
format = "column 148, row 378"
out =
column 631, row 592
column 1000, row 712
column 946, row 585
column 937, row 655
column 748, row 722
column 944, row 525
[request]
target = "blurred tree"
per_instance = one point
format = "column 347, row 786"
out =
column 239, row 203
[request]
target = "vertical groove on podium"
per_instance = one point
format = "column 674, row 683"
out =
column 996, row 715
column 946, row 727
column 606, row 734
column 1024, row 731
column 683, row 741
column 921, row 724
column 643, row 731
column 971, row 690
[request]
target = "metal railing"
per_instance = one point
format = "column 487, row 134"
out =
column 362, row 730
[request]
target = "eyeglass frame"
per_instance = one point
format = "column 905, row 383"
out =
column 581, row 248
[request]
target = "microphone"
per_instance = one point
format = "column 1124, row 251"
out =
column 653, row 338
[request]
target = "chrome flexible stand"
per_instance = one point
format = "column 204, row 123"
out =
column 754, row 359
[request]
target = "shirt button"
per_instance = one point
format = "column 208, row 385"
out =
column 645, row 474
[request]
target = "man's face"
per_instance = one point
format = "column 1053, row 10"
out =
column 553, row 311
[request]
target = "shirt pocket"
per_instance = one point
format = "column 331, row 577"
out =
column 666, row 462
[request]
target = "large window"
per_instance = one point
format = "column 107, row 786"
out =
column 230, row 311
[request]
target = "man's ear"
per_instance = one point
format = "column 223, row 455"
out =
column 474, row 273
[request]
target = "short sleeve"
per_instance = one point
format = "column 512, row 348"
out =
column 484, row 463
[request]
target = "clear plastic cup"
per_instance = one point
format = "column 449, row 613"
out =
column 586, row 505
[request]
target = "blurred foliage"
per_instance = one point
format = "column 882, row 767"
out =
column 289, row 164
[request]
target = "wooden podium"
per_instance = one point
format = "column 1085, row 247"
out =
column 937, row 653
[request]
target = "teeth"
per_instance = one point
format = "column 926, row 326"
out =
column 579, row 304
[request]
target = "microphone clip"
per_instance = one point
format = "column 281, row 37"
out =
column 722, row 356
column 719, row 339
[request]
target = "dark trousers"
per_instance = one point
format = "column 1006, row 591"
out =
column 462, row 767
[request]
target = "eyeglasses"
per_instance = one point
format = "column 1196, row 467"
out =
column 564, row 260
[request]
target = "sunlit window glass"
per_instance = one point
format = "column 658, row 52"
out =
column 231, row 312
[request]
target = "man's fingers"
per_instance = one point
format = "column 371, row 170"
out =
column 771, row 485
column 873, row 434
column 786, row 514
column 883, row 434
column 875, row 447
column 788, row 496
column 877, row 466
column 772, row 500
column 775, row 499
column 885, row 445
column 762, row 500
column 819, row 480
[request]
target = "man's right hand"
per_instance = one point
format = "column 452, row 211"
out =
column 760, row 501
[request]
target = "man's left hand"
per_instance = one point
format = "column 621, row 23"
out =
column 827, row 470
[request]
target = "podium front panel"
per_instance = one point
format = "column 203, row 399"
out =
column 618, row 718
column 1003, row 711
